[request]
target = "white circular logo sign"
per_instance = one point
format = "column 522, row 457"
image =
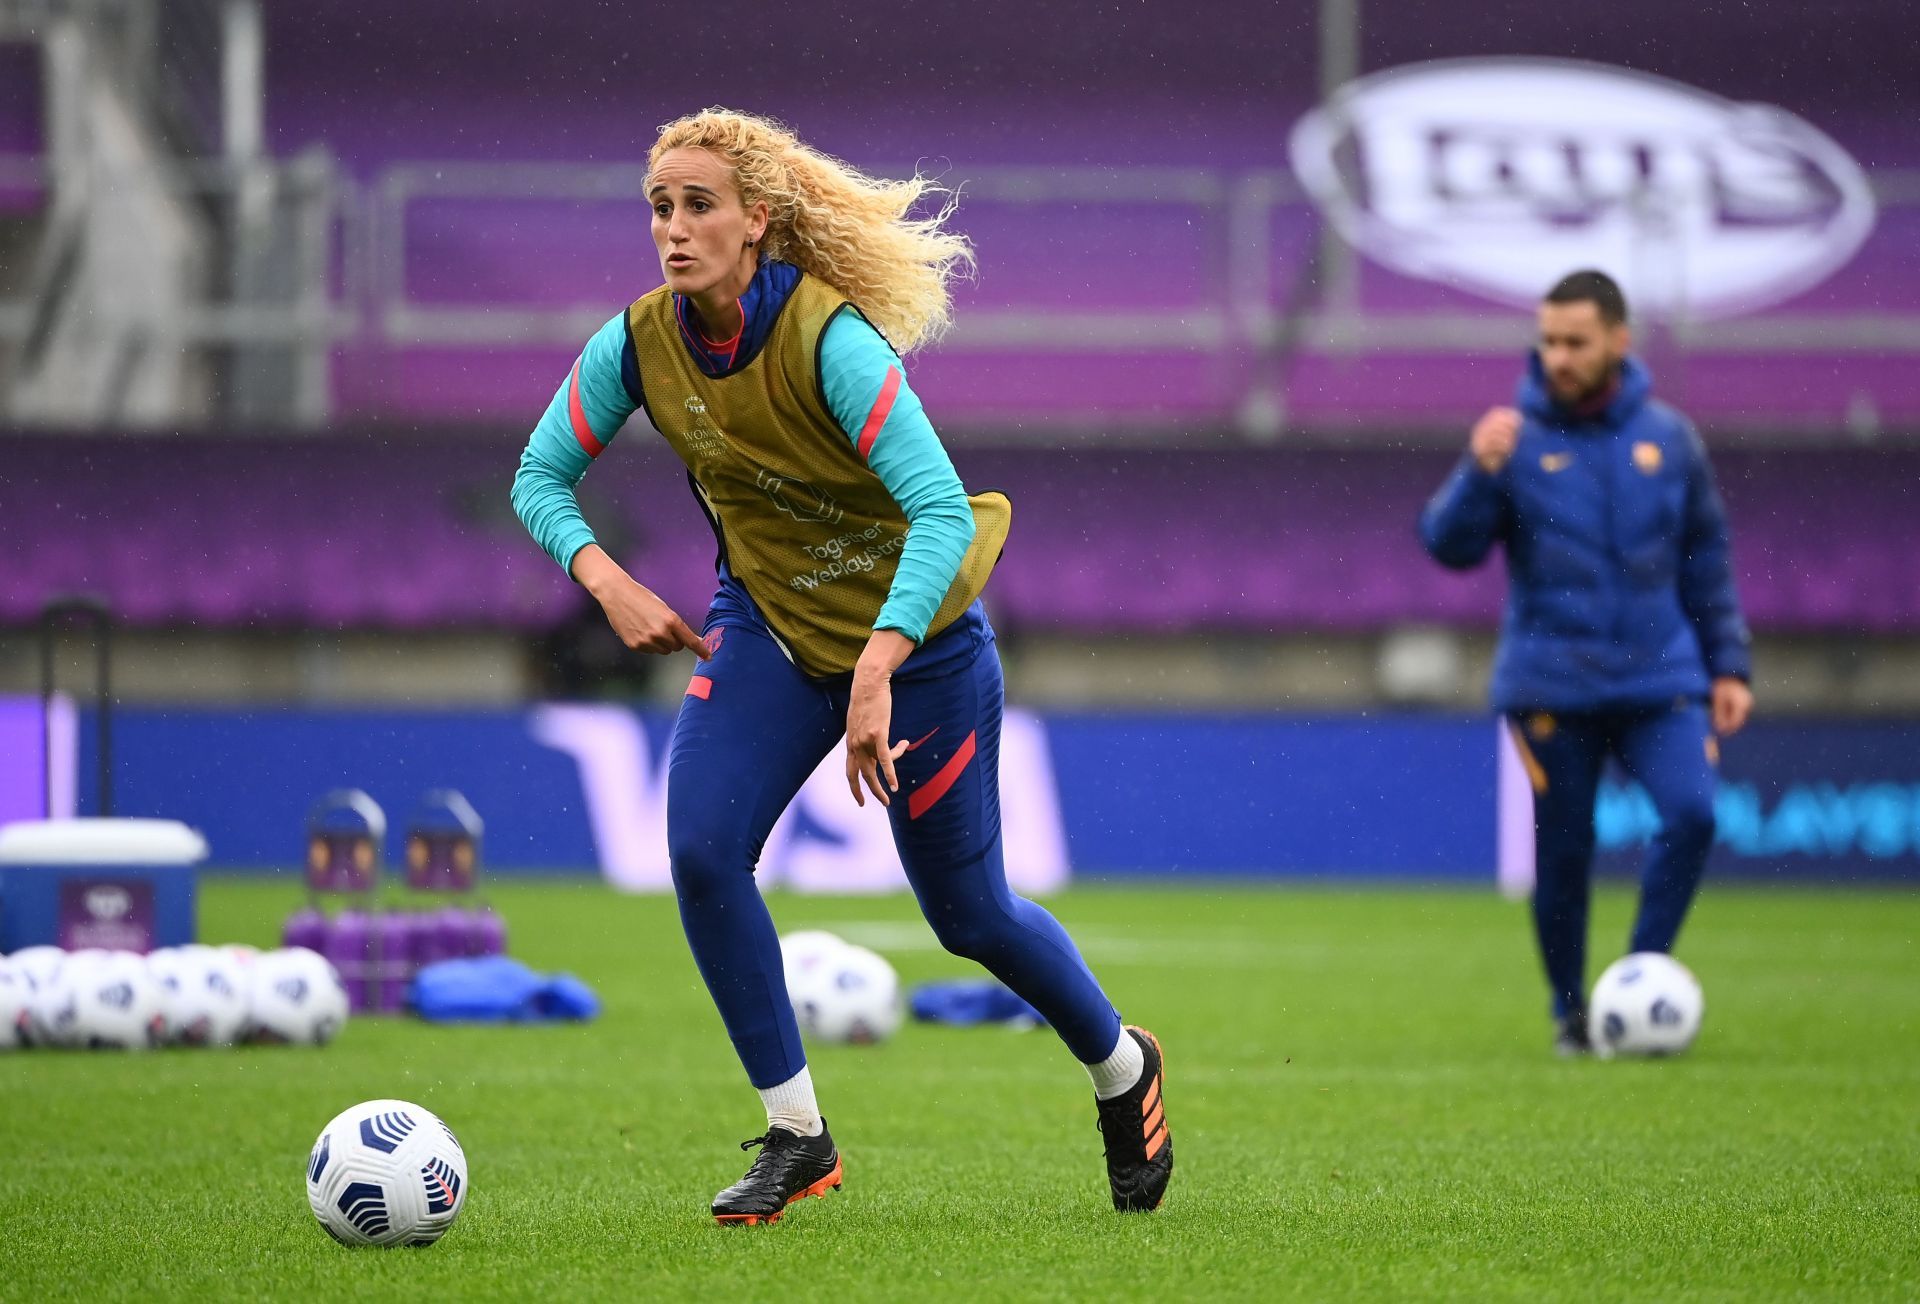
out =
column 1499, row 176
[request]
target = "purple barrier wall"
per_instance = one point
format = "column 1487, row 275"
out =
column 416, row 531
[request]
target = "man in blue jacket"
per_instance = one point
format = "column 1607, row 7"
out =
column 1623, row 635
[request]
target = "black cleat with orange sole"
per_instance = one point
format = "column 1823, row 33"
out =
column 788, row 1168
column 1134, row 1126
column 1571, row 1036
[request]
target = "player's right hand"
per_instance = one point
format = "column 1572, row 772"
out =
column 636, row 613
column 646, row 624
column 1494, row 438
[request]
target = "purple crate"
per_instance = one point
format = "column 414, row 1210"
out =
column 487, row 933
column 350, row 949
column 395, row 933
column 307, row 928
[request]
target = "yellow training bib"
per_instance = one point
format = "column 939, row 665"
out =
column 804, row 523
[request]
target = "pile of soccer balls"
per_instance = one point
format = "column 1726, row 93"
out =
column 178, row 996
column 840, row 992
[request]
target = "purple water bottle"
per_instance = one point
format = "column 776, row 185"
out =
column 488, row 935
column 395, row 932
column 439, row 937
column 456, row 932
column 349, row 946
column 305, row 927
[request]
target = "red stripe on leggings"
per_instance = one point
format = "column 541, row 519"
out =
column 935, row 788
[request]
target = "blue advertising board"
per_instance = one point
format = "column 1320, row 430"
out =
column 1394, row 795
column 582, row 787
column 1826, row 800
column 576, row 787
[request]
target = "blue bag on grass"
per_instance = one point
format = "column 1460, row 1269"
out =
column 972, row 1001
column 495, row 989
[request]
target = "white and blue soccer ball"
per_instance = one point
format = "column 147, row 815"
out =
column 107, row 1000
column 1645, row 1004
column 15, row 989
column 386, row 1173
column 297, row 998
column 164, row 966
column 840, row 992
column 39, row 963
column 54, row 1009
column 205, row 994
column 39, row 968
column 806, row 947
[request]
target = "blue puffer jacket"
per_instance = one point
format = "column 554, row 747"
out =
column 1620, row 588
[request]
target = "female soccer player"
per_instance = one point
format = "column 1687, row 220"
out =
column 851, row 563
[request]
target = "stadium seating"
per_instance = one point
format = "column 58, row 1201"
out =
column 1158, row 242
column 414, row 531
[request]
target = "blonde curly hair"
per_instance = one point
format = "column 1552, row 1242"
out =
column 835, row 222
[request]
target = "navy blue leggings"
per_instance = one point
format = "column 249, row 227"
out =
column 1671, row 751
column 750, row 732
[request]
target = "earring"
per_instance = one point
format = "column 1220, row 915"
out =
column 750, row 242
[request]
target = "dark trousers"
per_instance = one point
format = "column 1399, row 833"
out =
column 750, row 731
column 1671, row 751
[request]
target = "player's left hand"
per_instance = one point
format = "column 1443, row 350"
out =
column 1732, row 704
column 870, row 755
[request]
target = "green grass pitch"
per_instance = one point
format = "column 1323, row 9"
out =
column 1359, row 1084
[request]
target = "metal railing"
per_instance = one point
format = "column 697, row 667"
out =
column 1257, row 305
column 288, row 225
column 358, row 254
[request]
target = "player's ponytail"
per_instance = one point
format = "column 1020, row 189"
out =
column 832, row 221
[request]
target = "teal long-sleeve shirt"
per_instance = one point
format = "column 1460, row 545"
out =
column 854, row 362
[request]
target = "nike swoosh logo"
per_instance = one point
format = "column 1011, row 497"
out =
column 916, row 746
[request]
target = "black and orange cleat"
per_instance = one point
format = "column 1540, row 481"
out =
column 788, row 1168
column 1134, row 1126
column 1571, row 1037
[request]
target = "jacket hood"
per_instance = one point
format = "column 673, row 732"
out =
column 1537, row 401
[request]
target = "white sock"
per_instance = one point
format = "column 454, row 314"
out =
column 791, row 1104
column 1118, row 1071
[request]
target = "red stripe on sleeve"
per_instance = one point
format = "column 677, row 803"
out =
column 923, row 797
column 882, row 409
column 701, row 687
column 578, row 412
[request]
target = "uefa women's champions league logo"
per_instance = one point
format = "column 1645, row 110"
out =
column 113, row 913
column 108, row 902
column 703, row 438
column 1500, row 175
